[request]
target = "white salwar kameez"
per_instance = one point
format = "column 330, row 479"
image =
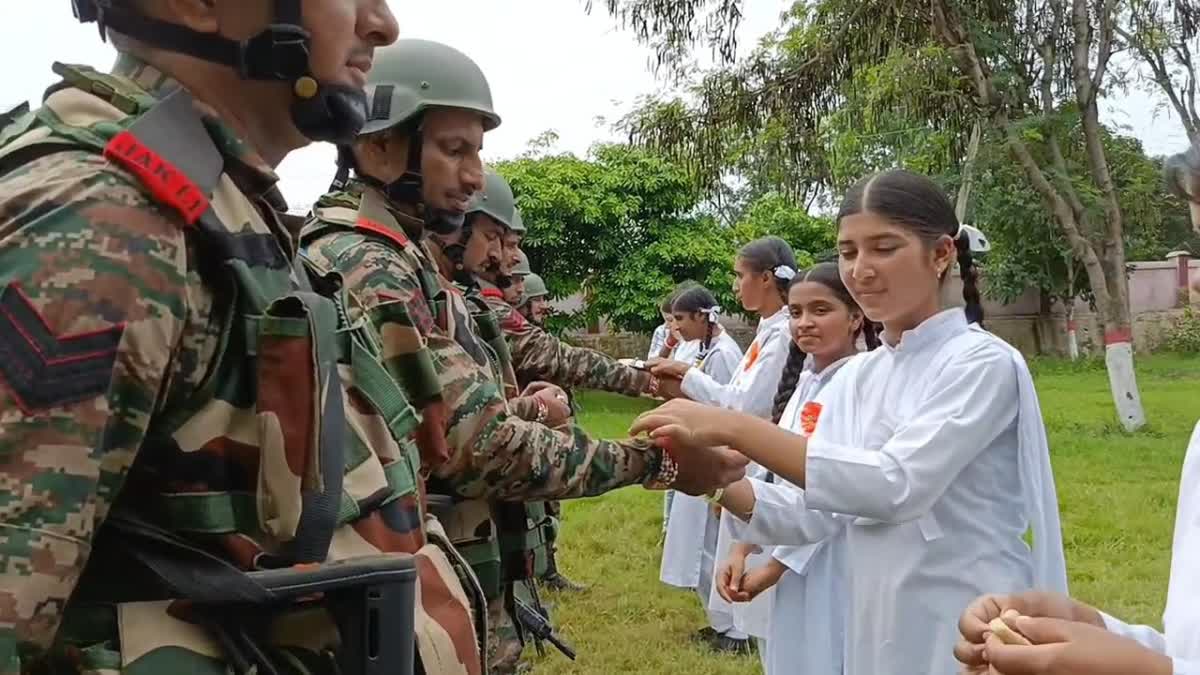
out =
column 752, row 390
column 807, row 622
column 936, row 451
column 691, row 540
column 1180, row 638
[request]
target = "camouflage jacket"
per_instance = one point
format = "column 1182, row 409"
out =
column 113, row 329
column 538, row 355
column 494, row 454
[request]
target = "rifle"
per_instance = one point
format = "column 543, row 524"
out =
column 533, row 621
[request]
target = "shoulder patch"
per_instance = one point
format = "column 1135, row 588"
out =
column 166, row 183
column 43, row 370
column 368, row 225
column 514, row 321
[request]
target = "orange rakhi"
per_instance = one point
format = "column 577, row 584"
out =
column 809, row 415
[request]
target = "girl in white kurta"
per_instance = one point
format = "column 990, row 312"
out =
column 808, row 616
column 930, row 450
column 689, row 548
column 763, row 269
column 1071, row 638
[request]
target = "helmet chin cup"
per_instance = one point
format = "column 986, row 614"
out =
column 278, row 53
column 444, row 222
column 334, row 114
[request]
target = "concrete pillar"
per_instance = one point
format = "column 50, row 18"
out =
column 1183, row 281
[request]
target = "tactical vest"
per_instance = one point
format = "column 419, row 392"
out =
column 469, row 523
column 524, row 526
column 291, row 373
column 472, row 525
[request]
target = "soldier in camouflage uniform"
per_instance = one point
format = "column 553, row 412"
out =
column 416, row 167
column 535, row 301
column 514, row 290
column 536, row 354
column 183, row 406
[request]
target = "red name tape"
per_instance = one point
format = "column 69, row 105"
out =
column 391, row 235
column 166, row 183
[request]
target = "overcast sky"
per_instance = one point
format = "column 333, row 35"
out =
column 551, row 65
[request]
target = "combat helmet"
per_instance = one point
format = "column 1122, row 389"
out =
column 322, row 111
column 535, row 287
column 522, row 268
column 409, row 78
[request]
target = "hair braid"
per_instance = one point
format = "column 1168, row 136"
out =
column 788, row 381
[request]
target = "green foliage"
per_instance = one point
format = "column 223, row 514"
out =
column 623, row 227
column 774, row 214
column 1029, row 249
column 1184, row 335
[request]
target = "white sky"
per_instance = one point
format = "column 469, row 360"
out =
column 550, row 65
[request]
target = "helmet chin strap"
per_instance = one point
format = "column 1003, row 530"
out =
column 321, row 111
column 334, row 114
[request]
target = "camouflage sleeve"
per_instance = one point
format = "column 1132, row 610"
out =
column 91, row 306
column 493, row 453
column 524, row 407
column 538, row 355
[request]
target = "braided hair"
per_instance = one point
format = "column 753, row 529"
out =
column 698, row 299
column 826, row 274
column 919, row 205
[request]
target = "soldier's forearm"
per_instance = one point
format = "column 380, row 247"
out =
column 524, row 407
column 541, row 356
column 522, row 460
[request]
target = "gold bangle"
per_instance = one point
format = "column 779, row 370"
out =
column 715, row 496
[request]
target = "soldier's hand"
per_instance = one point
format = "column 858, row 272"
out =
column 705, row 469
column 558, row 407
column 534, row 387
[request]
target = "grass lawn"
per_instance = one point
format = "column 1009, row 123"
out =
column 1117, row 495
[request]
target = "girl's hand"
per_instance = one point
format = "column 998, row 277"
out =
column 761, row 579
column 1063, row 647
column 688, row 426
column 668, row 369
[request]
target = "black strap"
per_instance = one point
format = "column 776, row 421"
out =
column 184, row 569
column 278, row 53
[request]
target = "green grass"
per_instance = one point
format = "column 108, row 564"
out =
column 1117, row 495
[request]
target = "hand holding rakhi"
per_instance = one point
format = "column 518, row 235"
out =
column 1061, row 647
column 975, row 624
column 687, row 425
column 702, row 466
column 668, row 369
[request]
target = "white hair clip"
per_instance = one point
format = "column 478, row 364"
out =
column 784, row 272
column 712, row 312
column 977, row 242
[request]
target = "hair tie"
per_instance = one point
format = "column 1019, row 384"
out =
column 977, row 243
column 784, row 272
column 712, row 312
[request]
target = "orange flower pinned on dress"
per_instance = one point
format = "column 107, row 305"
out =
column 809, row 415
column 752, row 356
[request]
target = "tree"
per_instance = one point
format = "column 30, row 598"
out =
column 624, row 226
column 616, row 227
column 1074, row 51
column 1026, row 67
column 1164, row 35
